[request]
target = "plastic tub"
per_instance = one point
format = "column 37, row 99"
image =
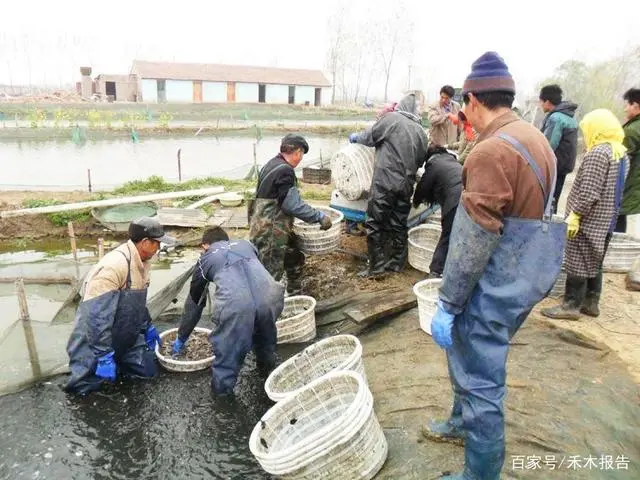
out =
column 340, row 352
column 427, row 293
column 623, row 251
column 176, row 365
column 352, row 171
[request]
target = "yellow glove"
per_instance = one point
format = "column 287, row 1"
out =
column 573, row 224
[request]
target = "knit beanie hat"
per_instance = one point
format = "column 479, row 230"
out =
column 489, row 73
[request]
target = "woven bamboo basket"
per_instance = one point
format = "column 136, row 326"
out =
column 340, row 352
column 300, row 322
column 177, row 365
column 326, row 430
column 352, row 171
column 427, row 293
column 622, row 252
column 312, row 240
column 423, row 240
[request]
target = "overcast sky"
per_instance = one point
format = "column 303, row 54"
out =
column 45, row 42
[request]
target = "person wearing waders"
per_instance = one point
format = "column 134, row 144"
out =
column 272, row 212
column 440, row 183
column 504, row 256
column 246, row 304
column 401, row 147
column 113, row 334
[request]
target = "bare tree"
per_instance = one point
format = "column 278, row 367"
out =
column 335, row 54
column 394, row 38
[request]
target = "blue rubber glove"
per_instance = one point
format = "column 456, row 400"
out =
column 441, row 326
column 178, row 346
column 353, row 138
column 152, row 338
column 106, row 367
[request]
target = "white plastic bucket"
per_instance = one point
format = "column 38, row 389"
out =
column 427, row 293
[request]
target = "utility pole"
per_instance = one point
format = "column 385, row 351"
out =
column 409, row 82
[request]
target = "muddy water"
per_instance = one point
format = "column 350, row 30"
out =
column 63, row 165
column 170, row 427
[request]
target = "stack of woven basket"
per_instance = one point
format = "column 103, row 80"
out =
column 323, row 425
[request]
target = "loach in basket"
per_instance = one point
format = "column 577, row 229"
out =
column 297, row 322
column 177, row 365
column 328, row 429
column 423, row 240
column 312, row 240
column 427, row 293
column 622, row 252
column 340, row 352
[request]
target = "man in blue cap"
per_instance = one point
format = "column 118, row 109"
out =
column 504, row 256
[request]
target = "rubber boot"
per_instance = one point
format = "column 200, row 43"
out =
column 375, row 251
column 591, row 304
column 574, row 295
column 449, row 430
column 482, row 461
column 445, row 431
column 399, row 254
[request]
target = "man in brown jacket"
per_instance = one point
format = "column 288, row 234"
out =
column 442, row 131
column 504, row 256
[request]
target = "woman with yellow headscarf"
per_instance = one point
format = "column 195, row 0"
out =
column 593, row 205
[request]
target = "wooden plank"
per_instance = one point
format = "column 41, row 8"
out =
column 40, row 280
column 182, row 217
column 382, row 306
column 111, row 202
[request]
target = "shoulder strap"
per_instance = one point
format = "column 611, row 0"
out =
column 546, row 193
column 128, row 259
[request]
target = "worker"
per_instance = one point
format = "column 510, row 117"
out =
column 442, row 130
column 272, row 212
column 440, row 183
column 561, row 129
column 113, row 334
column 504, row 256
column 631, row 196
column 247, row 302
column 401, row 147
column 593, row 206
column 467, row 138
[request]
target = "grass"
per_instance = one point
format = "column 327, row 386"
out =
column 164, row 112
column 62, row 218
column 157, row 184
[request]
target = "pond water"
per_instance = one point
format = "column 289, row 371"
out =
column 60, row 166
column 169, row 427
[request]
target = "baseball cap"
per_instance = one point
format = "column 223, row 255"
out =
column 295, row 140
column 148, row 227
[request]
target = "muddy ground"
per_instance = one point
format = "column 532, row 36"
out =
column 572, row 386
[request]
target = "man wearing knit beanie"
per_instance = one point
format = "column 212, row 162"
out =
column 504, row 257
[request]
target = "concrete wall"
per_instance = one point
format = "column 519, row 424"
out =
column 326, row 96
column 246, row 93
column 277, row 94
column 126, row 87
column 179, row 91
column 149, row 89
column 214, row 92
column 305, row 94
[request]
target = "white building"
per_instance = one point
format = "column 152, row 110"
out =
column 208, row 83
